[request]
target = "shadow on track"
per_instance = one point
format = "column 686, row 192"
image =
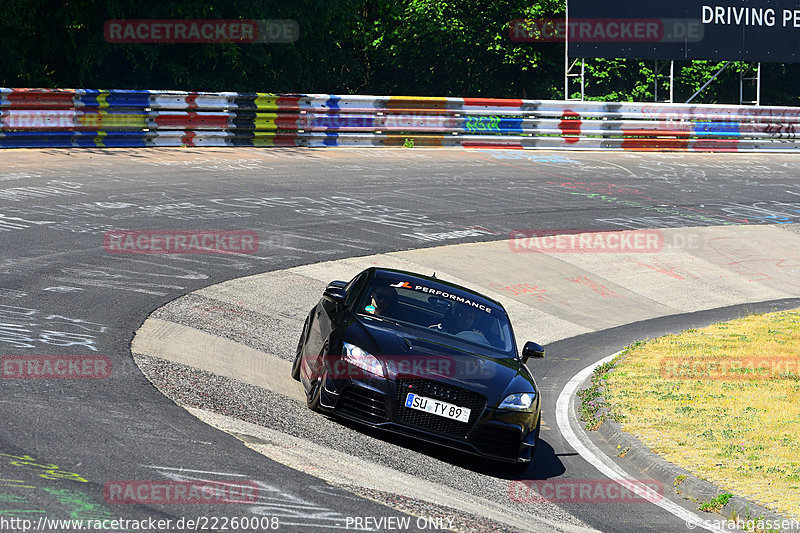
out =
column 546, row 463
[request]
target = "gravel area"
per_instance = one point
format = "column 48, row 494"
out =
column 192, row 387
column 262, row 332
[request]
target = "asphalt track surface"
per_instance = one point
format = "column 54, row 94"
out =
column 62, row 293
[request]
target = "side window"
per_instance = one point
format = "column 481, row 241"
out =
column 355, row 288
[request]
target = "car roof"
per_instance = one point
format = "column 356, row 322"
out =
column 435, row 281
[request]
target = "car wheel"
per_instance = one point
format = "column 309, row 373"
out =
column 314, row 393
column 300, row 343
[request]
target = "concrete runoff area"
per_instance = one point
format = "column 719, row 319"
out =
column 344, row 470
column 550, row 295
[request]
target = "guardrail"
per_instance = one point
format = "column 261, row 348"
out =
column 36, row 118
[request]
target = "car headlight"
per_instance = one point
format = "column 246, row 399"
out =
column 521, row 401
column 362, row 359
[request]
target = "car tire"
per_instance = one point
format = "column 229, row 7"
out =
column 300, row 343
column 314, row 394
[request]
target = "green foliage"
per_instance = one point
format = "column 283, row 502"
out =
column 415, row 47
column 61, row 44
column 593, row 408
column 459, row 48
column 716, row 503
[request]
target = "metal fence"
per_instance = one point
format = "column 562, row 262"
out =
column 37, row 118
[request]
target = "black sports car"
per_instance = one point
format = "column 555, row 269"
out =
column 419, row 356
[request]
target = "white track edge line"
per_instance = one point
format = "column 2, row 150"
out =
column 592, row 454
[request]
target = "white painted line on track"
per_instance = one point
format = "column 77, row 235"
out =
column 592, row 454
column 193, row 471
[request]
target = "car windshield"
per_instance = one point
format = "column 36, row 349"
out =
column 443, row 309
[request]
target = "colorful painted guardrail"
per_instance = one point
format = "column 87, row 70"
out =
column 35, row 118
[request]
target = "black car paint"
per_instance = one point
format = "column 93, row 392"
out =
column 332, row 322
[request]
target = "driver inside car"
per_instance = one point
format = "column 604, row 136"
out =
column 383, row 301
column 460, row 318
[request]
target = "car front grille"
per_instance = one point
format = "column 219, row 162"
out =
column 440, row 391
column 363, row 404
column 497, row 441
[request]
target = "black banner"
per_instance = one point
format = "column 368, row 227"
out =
column 746, row 30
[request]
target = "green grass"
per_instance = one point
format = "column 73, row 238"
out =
column 722, row 402
column 593, row 408
column 715, row 505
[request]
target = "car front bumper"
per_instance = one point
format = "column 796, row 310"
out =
column 501, row 435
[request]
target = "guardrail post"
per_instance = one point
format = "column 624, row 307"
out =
column 756, row 77
column 657, row 76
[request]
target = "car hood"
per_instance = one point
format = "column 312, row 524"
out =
column 427, row 354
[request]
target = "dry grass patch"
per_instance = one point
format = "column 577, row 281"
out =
column 722, row 402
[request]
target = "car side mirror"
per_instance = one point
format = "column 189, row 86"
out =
column 532, row 349
column 335, row 293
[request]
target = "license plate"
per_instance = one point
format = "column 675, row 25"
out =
column 437, row 407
